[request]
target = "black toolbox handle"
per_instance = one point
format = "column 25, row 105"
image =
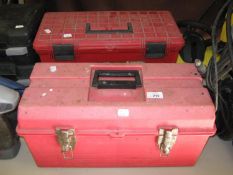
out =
column 116, row 84
column 90, row 31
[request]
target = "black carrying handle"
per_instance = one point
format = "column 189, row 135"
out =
column 90, row 31
column 116, row 84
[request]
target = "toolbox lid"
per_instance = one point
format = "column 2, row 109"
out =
column 129, row 97
column 153, row 32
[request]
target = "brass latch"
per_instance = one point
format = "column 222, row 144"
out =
column 166, row 140
column 66, row 139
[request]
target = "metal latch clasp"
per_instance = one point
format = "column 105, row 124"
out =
column 66, row 139
column 166, row 140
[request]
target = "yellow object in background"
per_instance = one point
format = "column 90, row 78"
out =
column 208, row 55
column 223, row 36
column 180, row 60
column 224, row 33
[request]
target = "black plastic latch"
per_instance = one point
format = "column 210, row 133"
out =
column 8, row 70
column 3, row 47
column 155, row 50
column 2, row 52
column 63, row 52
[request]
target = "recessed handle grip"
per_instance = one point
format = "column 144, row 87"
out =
column 117, row 84
column 91, row 31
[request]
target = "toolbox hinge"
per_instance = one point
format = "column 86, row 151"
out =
column 66, row 139
column 166, row 140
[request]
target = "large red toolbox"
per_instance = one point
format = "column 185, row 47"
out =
column 115, row 115
column 112, row 36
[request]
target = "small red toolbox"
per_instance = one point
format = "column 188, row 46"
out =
column 108, row 36
column 115, row 115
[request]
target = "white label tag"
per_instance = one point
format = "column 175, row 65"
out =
column 154, row 95
column 19, row 26
column 123, row 113
column 53, row 68
column 48, row 31
column 67, row 35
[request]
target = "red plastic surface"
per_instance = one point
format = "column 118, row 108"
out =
column 105, row 138
column 70, row 28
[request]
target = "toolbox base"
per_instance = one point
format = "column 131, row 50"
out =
column 110, row 57
column 107, row 154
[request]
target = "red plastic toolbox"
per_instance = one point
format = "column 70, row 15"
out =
column 112, row 36
column 115, row 115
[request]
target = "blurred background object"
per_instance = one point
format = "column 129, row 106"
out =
column 193, row 10
column 9, row 141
